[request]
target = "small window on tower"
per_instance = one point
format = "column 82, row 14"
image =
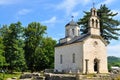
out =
column 96, row 24
column 94, row 12
column 73, row 31
column 92, row 22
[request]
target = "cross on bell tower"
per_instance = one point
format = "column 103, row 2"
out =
column 72, row 17
column 93, row 4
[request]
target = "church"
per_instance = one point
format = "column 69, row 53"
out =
column 85, row 53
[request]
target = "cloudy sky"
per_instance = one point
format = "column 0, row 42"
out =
column 55, row 14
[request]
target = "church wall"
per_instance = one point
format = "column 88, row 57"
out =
column 95, row 48
column 67, row 52
column 95, row 31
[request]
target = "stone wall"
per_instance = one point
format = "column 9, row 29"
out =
column 59, row 77
column 31, row 76
column 95, row 49
column 82, row 77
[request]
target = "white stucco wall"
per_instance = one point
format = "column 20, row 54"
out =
column 92, row 51
column 67, row 51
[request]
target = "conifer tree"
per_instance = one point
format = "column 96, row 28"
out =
column 108, row 25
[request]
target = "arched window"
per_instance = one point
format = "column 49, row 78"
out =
column 73, row 57
column 96, row 24
column 73, row 31
column 92, row 22
column 94, row 12
column 61, row 57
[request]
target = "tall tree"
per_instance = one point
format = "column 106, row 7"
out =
column 44, row 54
column 2, row 57
column 108, row 25
column 3, row 63
column 13, row 43
column 48, row 51
column 33, row 40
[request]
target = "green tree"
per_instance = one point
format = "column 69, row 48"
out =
column 113, row 61
column 12, row 40
column 3, row 63
column 108, row 29
column 2, row 57
column 33, row 41
column 48, row 49
column 44, row 54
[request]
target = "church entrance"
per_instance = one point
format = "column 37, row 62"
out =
column 96, row 65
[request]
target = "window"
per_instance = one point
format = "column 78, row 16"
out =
column 96, row 24
column 61, row 59
column 94, row 12
column 73, row 31
column 73, row 57
column 95, row 44
column 92, row 22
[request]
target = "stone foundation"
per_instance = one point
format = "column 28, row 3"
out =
column 82, row 77
column 59, row 77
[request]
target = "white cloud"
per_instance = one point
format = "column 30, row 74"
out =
column 24, row 11
column 6, row 2
column 69, row 5
column 50, row 21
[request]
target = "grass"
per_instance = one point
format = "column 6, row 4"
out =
column 7, row 75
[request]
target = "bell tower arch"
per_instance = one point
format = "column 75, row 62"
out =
column 94, row 23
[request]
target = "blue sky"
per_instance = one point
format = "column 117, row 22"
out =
column 55, row 14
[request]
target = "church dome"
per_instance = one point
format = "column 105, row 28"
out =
column 71, row 23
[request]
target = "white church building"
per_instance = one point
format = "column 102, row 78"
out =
column 84, row 53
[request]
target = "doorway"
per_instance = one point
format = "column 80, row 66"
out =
column 96, row 65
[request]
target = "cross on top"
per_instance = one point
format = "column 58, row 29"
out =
column 72, row 17
column 93, row 4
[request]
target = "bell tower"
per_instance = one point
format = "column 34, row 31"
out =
column 94, row 23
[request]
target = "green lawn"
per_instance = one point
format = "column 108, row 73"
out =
column 6, row 75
